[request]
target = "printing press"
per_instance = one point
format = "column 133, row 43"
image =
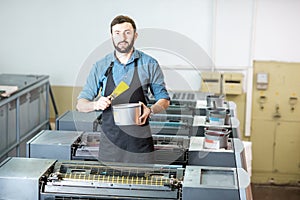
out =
column 200, row 123
column 232, row 155
column 190, row 112
column 160, row 124
column 218, row 113
column 79, row 121
column 48, row 179
column 194, row 103
column 172, row 124
column 206, row 165
column 217, row 142
column 170, row 134
column 80, row 145
column 182, row 103
column 212, row 183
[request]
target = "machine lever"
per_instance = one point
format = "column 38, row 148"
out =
column 293, row 101
column 97, row 122
column 262, row 101
column 277, row 114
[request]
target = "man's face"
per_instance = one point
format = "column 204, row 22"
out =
column 123, row 37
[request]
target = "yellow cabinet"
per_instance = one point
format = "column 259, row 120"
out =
column 211, row 82
column 275, row 127
column 232, row 83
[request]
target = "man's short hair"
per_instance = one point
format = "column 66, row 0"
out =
column 121, row 19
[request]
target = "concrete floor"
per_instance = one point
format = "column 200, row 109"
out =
column 272, row 192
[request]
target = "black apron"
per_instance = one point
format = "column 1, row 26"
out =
column 131, row 143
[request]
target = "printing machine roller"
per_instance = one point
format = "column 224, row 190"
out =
column 52, row 179
column 168, row 149
column 200, row 123
column 182, row 103
column 171, row 124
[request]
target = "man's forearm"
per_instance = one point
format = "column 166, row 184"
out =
column 160, row 106
column 84, row 105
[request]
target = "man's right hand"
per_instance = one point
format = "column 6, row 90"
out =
column 84, row 105
column 102, row 103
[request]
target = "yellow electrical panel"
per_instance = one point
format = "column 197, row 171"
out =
column 275, row 123
column 232, row 83
column 211, row 82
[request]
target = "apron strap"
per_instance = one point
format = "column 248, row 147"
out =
column 109, row 69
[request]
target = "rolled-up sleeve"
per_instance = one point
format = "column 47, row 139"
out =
column 157, row 83
column 92, row 86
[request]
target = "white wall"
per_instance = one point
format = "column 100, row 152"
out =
column 233, row 33
column 277, row 30
column 55, row 37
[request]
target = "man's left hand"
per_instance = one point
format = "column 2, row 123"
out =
column 146, row 111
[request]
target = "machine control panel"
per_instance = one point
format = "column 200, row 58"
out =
column 262, row 80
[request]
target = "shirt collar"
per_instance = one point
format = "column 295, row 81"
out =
column 135, row 55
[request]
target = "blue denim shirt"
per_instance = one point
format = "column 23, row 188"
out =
column 149, row 71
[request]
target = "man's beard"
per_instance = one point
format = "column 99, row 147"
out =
column 124, row 49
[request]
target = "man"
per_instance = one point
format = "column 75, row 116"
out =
column 131, row 143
